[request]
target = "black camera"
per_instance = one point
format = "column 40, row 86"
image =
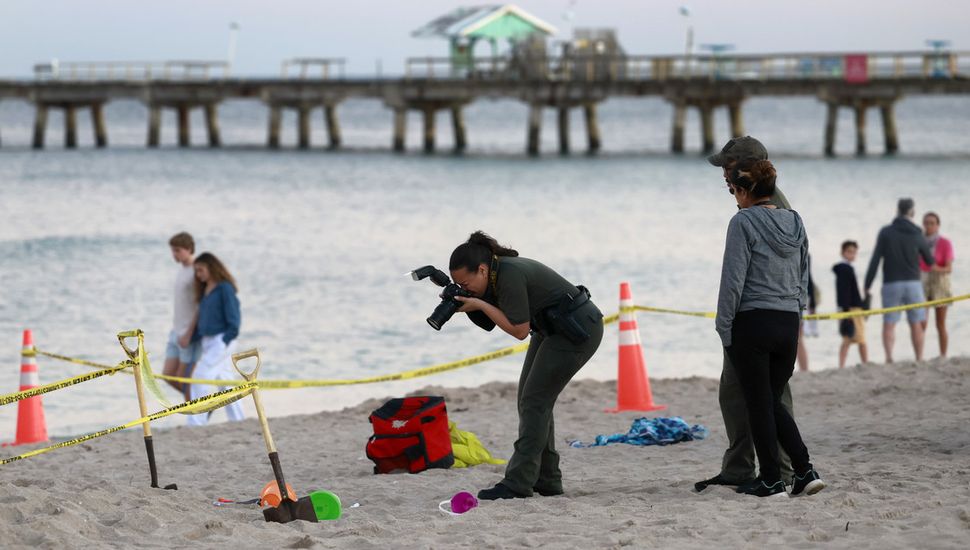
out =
column 449, row 305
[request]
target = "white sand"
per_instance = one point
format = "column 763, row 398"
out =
column 892, row 442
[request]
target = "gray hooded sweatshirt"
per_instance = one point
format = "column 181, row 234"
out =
column 765, row 265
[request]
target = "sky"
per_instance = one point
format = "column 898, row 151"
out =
column 366, row 32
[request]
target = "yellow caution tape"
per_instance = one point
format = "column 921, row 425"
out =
column 406, row 375
column 66, row 358
column 814, row 316
column 46, row 388
column 444, row 367
column 223, row 398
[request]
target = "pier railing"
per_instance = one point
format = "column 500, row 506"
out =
column 814, row 66
column 131, row 70
column 307, row 67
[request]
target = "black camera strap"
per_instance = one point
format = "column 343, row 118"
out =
column 493, row 275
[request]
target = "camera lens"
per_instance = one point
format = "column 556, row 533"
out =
column 442, row 313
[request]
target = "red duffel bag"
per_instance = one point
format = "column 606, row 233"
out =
column 410, row 434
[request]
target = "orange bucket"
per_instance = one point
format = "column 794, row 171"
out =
column 270, row 495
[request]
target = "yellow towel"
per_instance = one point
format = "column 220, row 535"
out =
column 468, row 450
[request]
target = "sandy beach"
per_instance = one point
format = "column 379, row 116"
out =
column 891, row 442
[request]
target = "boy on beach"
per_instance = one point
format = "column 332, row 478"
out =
column 847, row 296
column 181, row 353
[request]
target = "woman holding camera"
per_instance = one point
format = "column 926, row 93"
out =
column 520, row 296
column 764, row 289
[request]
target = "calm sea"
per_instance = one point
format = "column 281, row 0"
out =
column 319, row 240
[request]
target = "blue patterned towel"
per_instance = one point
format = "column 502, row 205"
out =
column 650, row 431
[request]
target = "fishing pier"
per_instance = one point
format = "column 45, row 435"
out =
column 431, row 86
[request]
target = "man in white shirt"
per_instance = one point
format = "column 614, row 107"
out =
column 181, row 352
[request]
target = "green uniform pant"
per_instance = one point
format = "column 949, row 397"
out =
column 549, row 365
column 738, row 463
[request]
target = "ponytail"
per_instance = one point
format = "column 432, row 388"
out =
column 757, row 177
column 477, row 250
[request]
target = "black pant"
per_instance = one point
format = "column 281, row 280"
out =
column 763, row 348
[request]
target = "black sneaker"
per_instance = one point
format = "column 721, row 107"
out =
column 548, row 491
column 499, row 492
column 762, row 488
column 718, row 480
column 806, row 484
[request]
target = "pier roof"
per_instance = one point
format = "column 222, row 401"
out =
column 491, row 21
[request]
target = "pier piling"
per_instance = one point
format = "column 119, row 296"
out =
column 592, row 128
column 734, row 117
column 429, row 129
column 333, row 126
column 889, row 127
column 275, row 120
column 183, row 125
column 458, row 127
column 70, row 126
column 212, row 125
column 400, row 129
column 707, row 128
column 564, row 130
column 831, row 119
column 535, row 129
column 40, row 126
column 860, row 129
column 303, row 126
column 97, row 123
column 154, row 125
column 677, row 132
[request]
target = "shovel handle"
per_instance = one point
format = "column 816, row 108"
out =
column 236, row 357
column 129, row 334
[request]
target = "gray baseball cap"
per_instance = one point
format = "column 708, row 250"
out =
column 739, row 148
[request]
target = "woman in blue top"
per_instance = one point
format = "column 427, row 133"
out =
column 217, row 327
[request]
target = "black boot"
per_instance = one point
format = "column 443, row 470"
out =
column 499, row 492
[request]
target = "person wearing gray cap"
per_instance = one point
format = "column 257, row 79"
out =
column 738, row 465
column 899, row 246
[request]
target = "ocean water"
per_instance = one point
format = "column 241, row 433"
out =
column 319, row 241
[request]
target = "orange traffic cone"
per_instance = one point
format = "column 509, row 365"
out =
column 31, row 426
column 632, row 383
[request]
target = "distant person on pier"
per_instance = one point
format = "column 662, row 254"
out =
column 737, row 465
column 936, row 278
column 181, row 353
column 217, row 328
column 848, row 298
column 899, row 246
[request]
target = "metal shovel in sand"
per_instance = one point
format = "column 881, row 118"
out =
column 288, row 509
column 133, row 356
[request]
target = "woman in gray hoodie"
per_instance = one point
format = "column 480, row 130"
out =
column 764, row 289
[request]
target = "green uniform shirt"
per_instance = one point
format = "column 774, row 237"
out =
column 779, row 200
column 525, row 287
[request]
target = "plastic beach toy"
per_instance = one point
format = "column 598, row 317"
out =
column 460, row 503
column 325, row 504
column 270, row 495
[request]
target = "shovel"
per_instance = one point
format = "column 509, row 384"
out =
column 288, row 510
column 146, row 428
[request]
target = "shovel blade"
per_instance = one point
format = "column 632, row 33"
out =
column 289, row 511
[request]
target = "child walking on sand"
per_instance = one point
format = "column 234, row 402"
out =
column 848, row 298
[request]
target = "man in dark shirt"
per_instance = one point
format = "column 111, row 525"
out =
column 900, row 244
